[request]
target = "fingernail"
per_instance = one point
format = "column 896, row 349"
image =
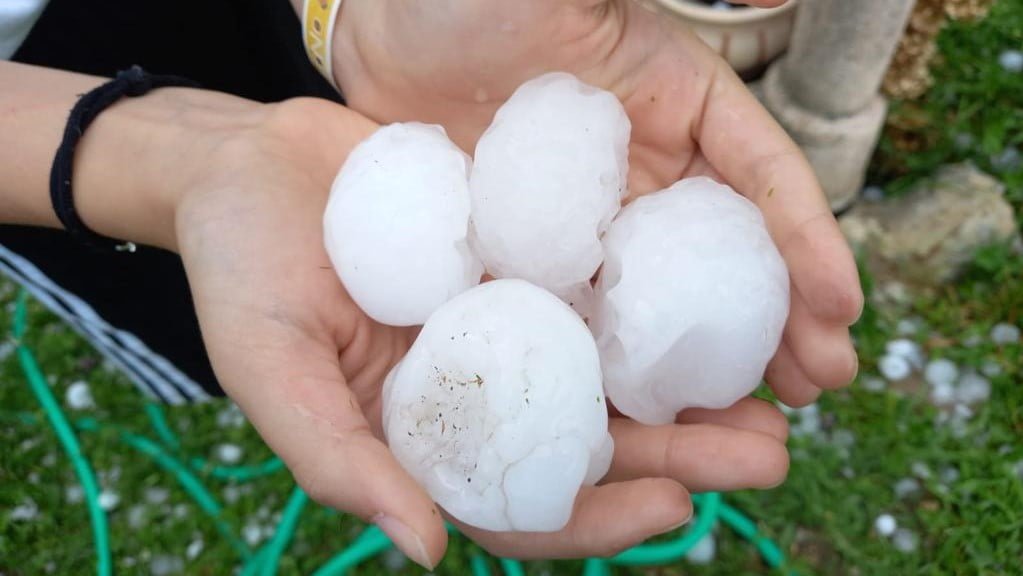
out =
column 682, row 523
column 405, row 539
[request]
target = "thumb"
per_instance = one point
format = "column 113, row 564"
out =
column 297, row 398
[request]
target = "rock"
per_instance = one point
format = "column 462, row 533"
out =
column 928, row 235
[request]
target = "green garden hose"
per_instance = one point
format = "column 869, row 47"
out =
column 166, row 453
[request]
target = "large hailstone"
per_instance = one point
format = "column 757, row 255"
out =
column 548, row 177
column 498, row 410
column 692, row 301
column 397, row 221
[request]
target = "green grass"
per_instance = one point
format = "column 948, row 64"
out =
column 822, row 516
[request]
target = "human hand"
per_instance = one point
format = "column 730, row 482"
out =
column 454, row 63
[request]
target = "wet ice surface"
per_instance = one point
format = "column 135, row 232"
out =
column 691, row 301
column 397, row 221
column 548, row 177
column 497, row 410
column 704, row 551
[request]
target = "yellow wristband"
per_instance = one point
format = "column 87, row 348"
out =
column 318, row 20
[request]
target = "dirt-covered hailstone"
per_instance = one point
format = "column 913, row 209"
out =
column 548, row 176
column 691, row 301
column 397, row 221
column 498, row 411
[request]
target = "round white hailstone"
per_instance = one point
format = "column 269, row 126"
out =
column 109, row 500
column 549, row 176
column 906, row 487
column 873, row 384
column 397, row 221
column 497, row 409
column 137, row 516
column 991, row 368
column 691, row 301
column 949, row 474
column 943, row 394
column 885, row 525
column 1011, row 60
column 79, row 397
column 920, row 470
column 74, row 494
column 27, row 510
column 1004, row 333
column 909, row 350
column 195, row 548
column 158, row 495
column 252, row 533
column 941, row 371
column 894, row 368
column 908, row 326
column 973, row 388
column 703, row 552
column 905, row 540
column 229, row 453
column 163, row 565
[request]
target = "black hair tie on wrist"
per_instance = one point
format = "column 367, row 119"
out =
column 131, row 82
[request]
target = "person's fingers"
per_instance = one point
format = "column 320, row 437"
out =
column 823, row 350
column 606, row 520
column 755, row 155
column 293, row 391
column 751, row 414
column 785, row 376
column 701, row 456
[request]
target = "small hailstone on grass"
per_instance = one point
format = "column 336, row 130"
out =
column 229, row 453
column 908, row 326
column 108, row 500
column 905, row 540
column 703, row 552
column 397, row 221
column 691, row 301
column 1005, row 333
column 885, row 525
column 943, row 394
column 497, row 409
column 949, row 474
column 1011, row 60
column 973, row 389
column 27, row 510
column 1007, row 160
column 1017, row 468
column 74, row 494
column 907, row 349
column 548, row 177
column 156, row 495
column 873, row 383
column 941, row 371
column 163, row 565
column 79, row 397
column 231, row 417
column 991, row 368
column 180, row 511
column 194, row 549
column 49, row 459
column 894, row 368
column 906, row 487
column 920, row 470
column 137, row 516
column 252, row 533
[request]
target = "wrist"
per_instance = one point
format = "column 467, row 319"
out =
column 141, row 157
